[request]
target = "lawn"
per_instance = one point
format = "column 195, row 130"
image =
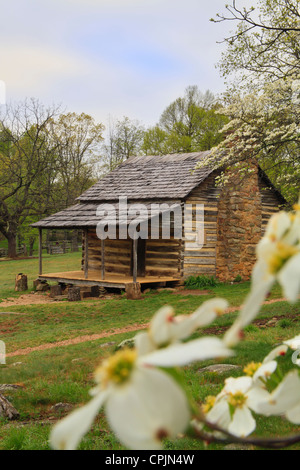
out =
column 65, row 374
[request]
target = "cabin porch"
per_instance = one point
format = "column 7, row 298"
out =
column 121, row 263
column 111, row 280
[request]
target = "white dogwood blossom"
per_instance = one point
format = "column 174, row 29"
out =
column 280, row 350
column 263, row 126
column 231, row 409
column 278, row 259
column 293, row 343
column 284, row 400
column 132, row 390
column 165, row 328
column 147, row 398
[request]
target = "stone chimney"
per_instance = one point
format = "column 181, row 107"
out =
column 239, row 224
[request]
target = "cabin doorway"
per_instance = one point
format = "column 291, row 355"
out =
column 141, row 258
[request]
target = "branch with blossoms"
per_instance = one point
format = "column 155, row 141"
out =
column 144, row 397
column 264, row 127
column 269, row 443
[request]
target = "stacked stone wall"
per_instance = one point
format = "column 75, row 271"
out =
column 239, row 226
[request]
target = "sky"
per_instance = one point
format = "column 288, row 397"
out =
column 110, row 58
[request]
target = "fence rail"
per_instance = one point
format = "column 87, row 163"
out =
column 61, row 247
column 52, row 248
column 20, row 251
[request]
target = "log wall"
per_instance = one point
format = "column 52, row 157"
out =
column 270, row 201
column 163, row 257
column 117, row 255
column 197, row 259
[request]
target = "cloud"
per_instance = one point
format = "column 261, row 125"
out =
column 126, row 57
column 25, row 67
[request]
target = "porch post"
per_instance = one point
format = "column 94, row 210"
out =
column 86, row 254
column 40, row 252
column 102, row 260
column 135, row 248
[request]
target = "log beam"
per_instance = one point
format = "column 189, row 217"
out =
column 135, row 260
column 86, row 254
column 102, row 260
column 40, row 252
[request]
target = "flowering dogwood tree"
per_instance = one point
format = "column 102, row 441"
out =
column 261, row 66
column 139, row 388
column 264, row 126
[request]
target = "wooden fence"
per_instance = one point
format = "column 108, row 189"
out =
column 20, row 251
column 61, row 247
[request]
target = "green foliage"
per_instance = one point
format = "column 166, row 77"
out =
column 46, row 161
column 124, row 139
column 189, row 124
column 198, row 282
column 285, row 323
column 262, row 68
column 265, row 44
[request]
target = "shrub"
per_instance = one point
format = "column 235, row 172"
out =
column 198, row 282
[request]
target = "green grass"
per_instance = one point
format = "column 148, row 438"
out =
column 65, row 374
column 30, row 267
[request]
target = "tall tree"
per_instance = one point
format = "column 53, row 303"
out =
column 190, row 123
column 265, row 44
column 26, row 155
column 262, row 102
column 77, row 139
column 264, row 128
column 46, row 160
column 124, row 139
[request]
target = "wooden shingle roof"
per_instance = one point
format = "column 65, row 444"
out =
column 89, row 215
column 145, row 178
column 150, row 177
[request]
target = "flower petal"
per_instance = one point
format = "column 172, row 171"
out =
column 143, row 344
column 293, row 415
column 209, row 310
column 293, row 343
column 278, row 351
column 278, row 225
column 285, row 397
column 151, row 406
column 237, row 385
column 265, row 370
column 255, row 396
column 160, row 325
column 67, row 434
column 256, row 297
column 242, row 423
column 219, row 414
column 259, row 291
column 289, row 278
column 184, row 353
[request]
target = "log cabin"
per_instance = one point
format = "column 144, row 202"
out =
column 156, row 220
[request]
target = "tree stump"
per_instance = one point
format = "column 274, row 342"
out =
column 21, row 283
column 7, row 410
column 74, row 294
column 133, row 291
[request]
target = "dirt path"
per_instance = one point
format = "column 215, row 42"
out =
column 27, row 299
column 104, row 334
column 79, row 339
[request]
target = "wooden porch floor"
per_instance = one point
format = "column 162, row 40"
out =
column 94, row 278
